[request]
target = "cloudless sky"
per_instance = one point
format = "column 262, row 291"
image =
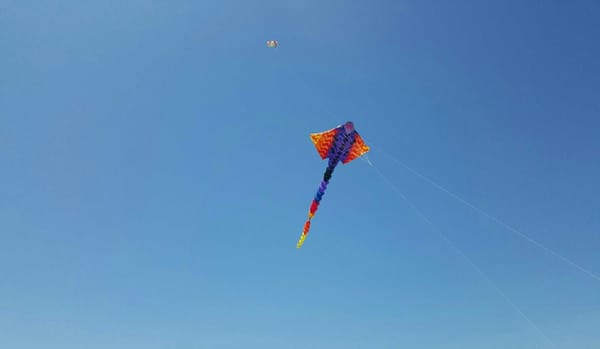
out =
column 156, row 171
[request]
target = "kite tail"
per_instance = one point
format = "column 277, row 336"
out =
column 315, row 203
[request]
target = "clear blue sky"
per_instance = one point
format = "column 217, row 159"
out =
column 156, row 172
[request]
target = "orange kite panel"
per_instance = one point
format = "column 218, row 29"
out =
column 323, row 141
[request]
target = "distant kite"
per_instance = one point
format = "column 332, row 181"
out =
column 343, row 144
column 272, row 43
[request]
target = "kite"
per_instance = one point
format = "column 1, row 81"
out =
column 272, row 43
column 343, row 144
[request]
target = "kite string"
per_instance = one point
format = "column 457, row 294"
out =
column 462, row 254
column 493, row 218
column 481, row 211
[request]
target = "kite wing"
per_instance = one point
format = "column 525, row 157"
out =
column 358, row 149
column 323, row 141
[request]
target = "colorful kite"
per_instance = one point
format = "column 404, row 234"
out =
column 272, row 43
column 343, row 144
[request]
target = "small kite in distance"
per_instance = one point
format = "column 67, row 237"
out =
column 272, row 43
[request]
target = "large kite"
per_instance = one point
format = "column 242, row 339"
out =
column 343, row 144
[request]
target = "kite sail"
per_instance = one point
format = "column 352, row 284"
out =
column 272, row 43
column 343, row 144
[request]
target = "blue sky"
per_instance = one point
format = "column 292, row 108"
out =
column 157, row 171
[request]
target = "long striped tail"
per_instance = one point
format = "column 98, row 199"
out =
column 315, row 203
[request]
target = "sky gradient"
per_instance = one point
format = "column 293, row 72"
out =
column 156, row 171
